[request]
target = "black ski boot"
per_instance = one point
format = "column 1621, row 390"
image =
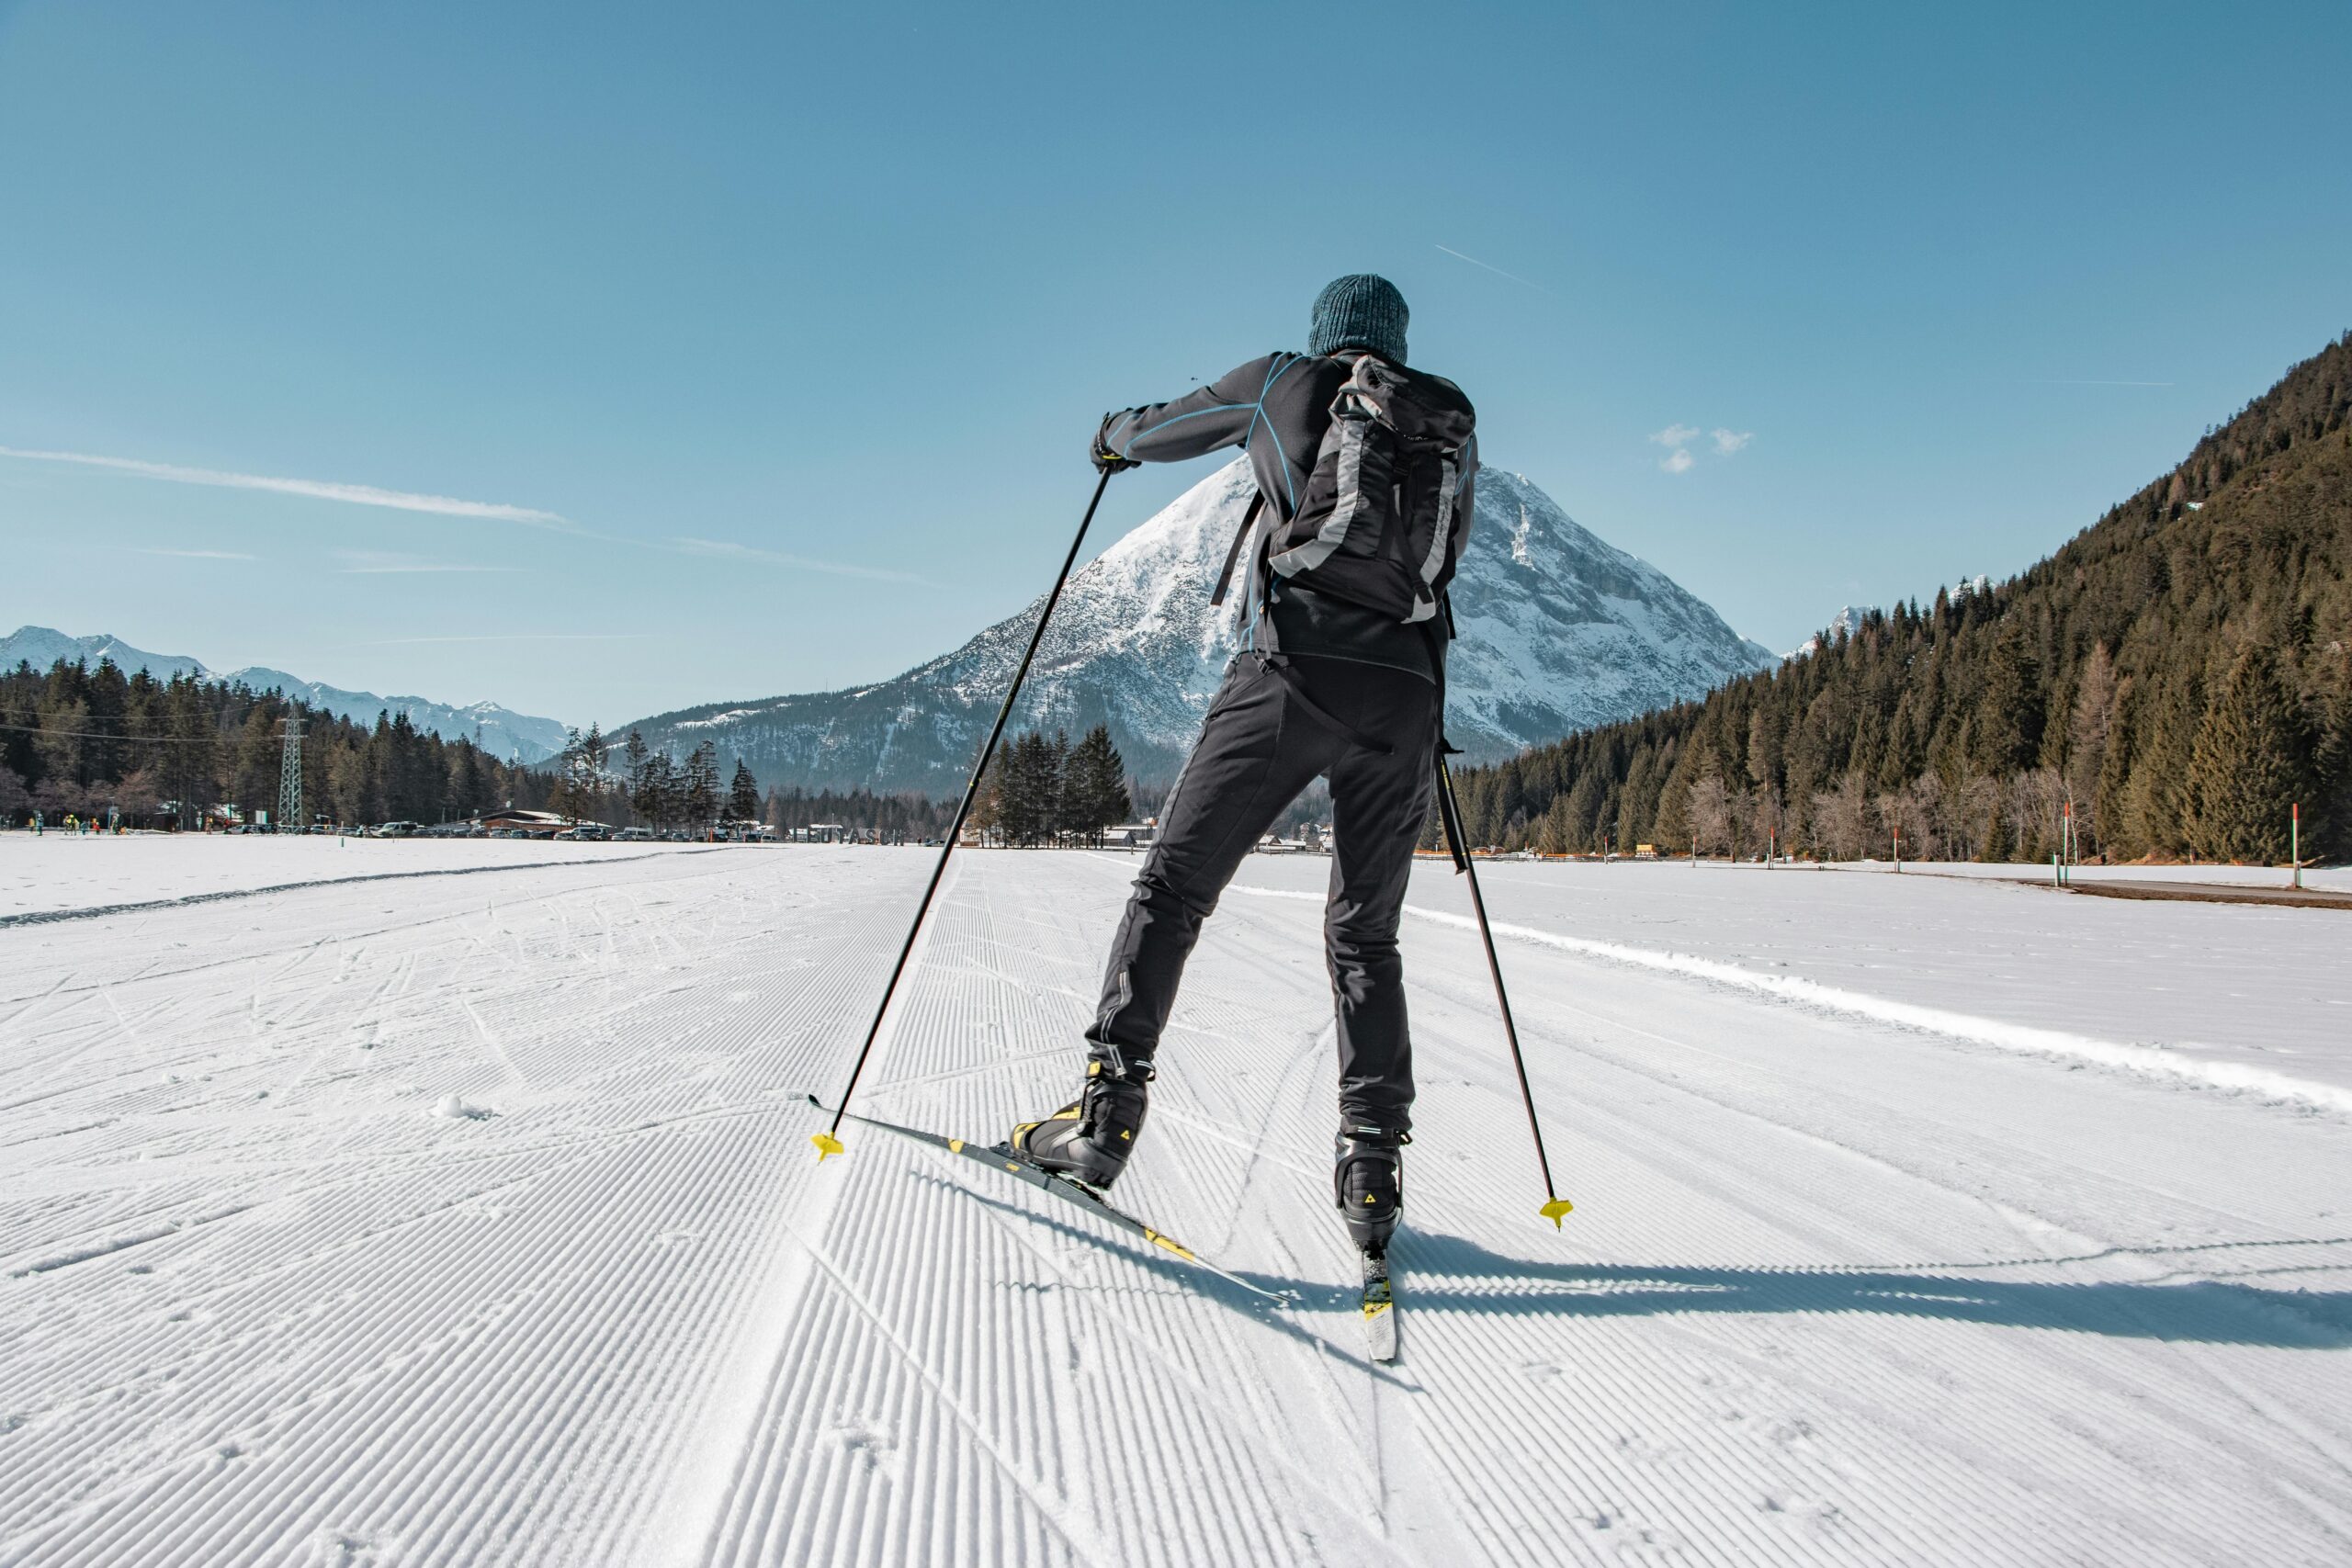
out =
column 1368, row 1182
column 1090, row 1139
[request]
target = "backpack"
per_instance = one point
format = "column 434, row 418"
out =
column 1378, row 523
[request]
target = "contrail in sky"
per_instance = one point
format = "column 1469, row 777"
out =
column 1498, row 272
column 317, row 490
column 450, row 507
column 2058, row 381
column 516, row 637
column 727, row 550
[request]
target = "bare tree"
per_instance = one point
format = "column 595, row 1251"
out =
column 1975, row 824
column 1711, row 815
column 2037, row 807
column 1766, row 828
column 1841, row 823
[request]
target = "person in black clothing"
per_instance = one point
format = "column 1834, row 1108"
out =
column 1324, row 687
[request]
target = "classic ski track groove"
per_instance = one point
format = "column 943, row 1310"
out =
column 259, row 1303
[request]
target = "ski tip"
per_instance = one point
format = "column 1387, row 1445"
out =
column 826, row 1145
column 1555, row 1210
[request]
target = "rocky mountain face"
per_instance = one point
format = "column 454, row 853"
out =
column 506, row 734
column 1559, row 631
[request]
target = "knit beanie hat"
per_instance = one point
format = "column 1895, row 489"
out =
column 1359, row 310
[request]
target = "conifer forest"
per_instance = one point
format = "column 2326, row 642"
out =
column 2178, row 676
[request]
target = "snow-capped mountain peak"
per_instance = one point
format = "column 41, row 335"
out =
column 1559, row 631
column 1842, row 624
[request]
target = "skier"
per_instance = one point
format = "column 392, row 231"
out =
column 1364, row 470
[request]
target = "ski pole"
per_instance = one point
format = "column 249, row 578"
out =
column 1450, row 813
column 829, row 1141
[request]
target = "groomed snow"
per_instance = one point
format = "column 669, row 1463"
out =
column 57, row 873
column 2246, row 998
column 471, row 1218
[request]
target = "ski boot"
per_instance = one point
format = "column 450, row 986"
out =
column 1090, row 1139
column 1368, row 1183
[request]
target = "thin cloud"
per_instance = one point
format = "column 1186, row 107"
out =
column 1498, row 272
column 369, row 563
column 2046, row 381
column 419, row 566
column 1677, row 435
column 515, row 637
column 726, row 550
column 1730, row 441
column 316, row 490
column 197, row 555
column 1678, row 461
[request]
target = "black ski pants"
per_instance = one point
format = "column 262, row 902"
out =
column 1273, row 727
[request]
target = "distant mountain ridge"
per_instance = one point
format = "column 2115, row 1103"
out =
column 506, row 734
column 1559, row 631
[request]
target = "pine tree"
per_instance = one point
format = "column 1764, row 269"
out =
column 1062, row 813
column 987, row 801
column 2162, row 804
column 649, row 797
column 2251, row 764
column 2087, row 729
column 2009, row 715
column 701, row 794
column 1094, row 788
column 633, row 759
column 744, row 794
column 1029, row 793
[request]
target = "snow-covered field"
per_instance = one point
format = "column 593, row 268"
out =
column 471, row 1218
column 57, row 872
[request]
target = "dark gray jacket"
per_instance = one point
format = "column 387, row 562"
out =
column 1276, row 408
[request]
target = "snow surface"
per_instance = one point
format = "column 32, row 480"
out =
column 57, row 873
column 2246, row 998
column 471, row 1218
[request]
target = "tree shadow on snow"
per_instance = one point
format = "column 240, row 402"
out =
column 1443, row 1273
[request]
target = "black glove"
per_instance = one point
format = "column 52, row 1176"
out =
column 1105, row 460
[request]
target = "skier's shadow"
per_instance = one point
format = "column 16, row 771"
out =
column 1450, row 1272
column 1438, row 1272
column 1312, row 1295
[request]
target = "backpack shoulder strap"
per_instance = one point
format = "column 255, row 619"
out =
column 1233, row 552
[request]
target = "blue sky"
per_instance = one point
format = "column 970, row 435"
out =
column 756, row 351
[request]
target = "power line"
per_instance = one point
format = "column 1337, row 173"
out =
column 138, row 739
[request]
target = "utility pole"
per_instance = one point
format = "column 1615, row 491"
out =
column 289, row 773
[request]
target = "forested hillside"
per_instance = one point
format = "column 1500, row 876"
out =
column 79, row 740
column 2181, row 671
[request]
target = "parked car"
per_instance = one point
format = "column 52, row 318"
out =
column 632, row 836
column 393, row 830
column 508, row 833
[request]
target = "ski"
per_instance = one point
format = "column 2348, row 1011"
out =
column 1379, row 1308
column 1013, row 1163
